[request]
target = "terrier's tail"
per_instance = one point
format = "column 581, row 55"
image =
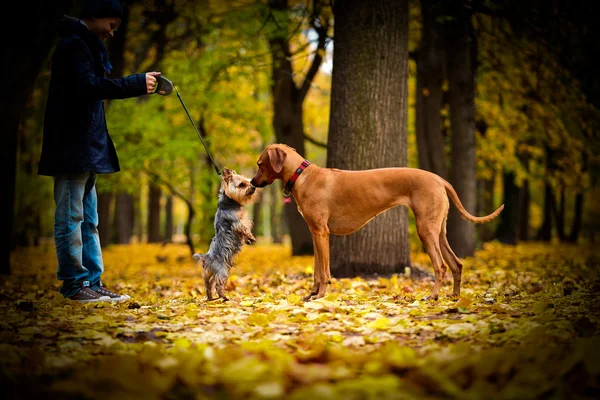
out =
column 461, row 209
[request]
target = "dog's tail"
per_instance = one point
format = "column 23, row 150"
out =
column 461, row 209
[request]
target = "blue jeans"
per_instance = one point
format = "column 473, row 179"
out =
column 76, row 232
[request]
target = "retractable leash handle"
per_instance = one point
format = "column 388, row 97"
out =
column 164, row 87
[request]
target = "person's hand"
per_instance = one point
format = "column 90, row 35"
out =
column 151, row 81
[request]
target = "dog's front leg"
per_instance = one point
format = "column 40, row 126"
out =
column 316, row 273
column 322, row 274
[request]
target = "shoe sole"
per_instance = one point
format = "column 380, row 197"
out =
column 103, row 298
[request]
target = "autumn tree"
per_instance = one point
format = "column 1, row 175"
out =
column 23, row 60
column 289, row 96
column 368, row 124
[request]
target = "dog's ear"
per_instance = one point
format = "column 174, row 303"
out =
column 276, row 158
column 226, row 174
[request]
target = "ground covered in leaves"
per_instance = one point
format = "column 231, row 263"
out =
column 526, row 326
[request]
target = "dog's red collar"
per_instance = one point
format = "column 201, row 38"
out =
column 287, row 190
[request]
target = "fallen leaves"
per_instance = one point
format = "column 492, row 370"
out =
column 525, row 325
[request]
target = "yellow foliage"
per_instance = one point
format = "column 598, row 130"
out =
column 525, row 323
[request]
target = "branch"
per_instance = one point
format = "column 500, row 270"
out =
column 189, row 204
column 314, row 141
column 314, row 68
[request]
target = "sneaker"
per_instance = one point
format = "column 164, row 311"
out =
column 87, row 295
column 103, row 291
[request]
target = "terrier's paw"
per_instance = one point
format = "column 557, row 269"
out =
column 428, row 297
column 250, row 240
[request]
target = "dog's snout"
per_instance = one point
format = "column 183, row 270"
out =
column 252, row 189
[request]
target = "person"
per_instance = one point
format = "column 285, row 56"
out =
column 76, row 144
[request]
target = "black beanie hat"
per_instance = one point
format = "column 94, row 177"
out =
column 101, row 9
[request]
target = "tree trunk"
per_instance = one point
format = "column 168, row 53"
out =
column 276, row 220
column 154, row 196
column 287, row 109
column 509, row 218
column 124, row 215
column 545, row 232
column 368, row 124
column 23, row 60
column 461, row 98
column 430, row 76
column 169, row 219
column 524, row 215
column 559, row 214
column 104, row 220
column 577, row 219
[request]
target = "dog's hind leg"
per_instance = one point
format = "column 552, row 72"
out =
column 220, row 281
column 430, row 236
column 452, row 260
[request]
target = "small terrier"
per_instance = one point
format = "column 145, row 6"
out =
column 233, row 229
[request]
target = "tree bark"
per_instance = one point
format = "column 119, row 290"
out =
column 509, row 218
column 288, row 114
column 23, row 60
column 461, row 98
column 430, row 76
column 368, row 124
column 154, row 196
column 104, row 218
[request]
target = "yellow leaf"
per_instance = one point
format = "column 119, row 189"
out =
column 258, row 319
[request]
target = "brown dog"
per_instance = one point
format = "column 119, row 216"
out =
column 339, row 202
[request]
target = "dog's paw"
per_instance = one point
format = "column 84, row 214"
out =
column 428, row 297
column 251, row 240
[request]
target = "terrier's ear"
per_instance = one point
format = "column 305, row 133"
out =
column 226, row 174
column 276, row 158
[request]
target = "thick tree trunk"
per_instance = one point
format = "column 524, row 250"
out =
column 461, row 98
column 509, row 218
column 430, row 76
column 104, row 220
column 169, row 219
column 24, row 58
column 154, row 196
column 368, row 125
column 124, row 217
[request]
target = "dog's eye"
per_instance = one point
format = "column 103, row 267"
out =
column 242, row 184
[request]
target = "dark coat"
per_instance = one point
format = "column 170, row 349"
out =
column 75, row 134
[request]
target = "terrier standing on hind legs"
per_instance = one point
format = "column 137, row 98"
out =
column 339, row 202
column 233, row 229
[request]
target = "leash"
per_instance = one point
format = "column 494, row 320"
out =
column 165, row 87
